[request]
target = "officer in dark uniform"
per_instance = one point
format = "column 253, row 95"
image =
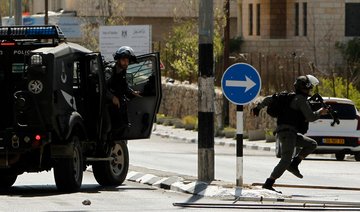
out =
column 292, row 124
column 118, row 92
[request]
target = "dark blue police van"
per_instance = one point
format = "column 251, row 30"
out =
column 53, row 95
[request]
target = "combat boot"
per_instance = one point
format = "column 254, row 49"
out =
column 269, row 185
column 294, row 167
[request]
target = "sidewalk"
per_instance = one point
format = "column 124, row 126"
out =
column 192, row 137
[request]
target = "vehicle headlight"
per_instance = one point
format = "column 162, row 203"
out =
column 36, row 59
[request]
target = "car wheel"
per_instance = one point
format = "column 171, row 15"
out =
column 6, row 181
column 357, row 156
column 68, row 172
column 113, row 173
column 277, row 148
column 339, row 156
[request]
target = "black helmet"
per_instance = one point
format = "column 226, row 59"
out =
column 305, row 82
column 125, row 51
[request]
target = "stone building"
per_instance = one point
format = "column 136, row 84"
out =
column 157, row 13
column 302, row 28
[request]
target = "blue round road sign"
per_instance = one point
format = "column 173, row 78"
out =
column 241, row 83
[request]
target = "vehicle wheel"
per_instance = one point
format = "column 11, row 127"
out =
column 357, row 156
column 113, row 173
column 6, row 181
column 339, row 156
column 68, row 172
column 277, row 149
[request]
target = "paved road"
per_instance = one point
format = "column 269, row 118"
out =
column 179, row 157
column 37, row 192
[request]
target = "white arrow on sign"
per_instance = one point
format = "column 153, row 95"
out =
column 248, row 83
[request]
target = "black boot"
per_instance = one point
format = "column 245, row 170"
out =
column 269, row 185
column 294, row 167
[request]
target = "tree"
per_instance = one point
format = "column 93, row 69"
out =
column 182, row 46
column 4, row 10
column 342, row 89
column 109, row 13
column 350, row 51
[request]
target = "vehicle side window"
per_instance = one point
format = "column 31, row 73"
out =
column 345, row 111
column 140, row 73
column 94, row 66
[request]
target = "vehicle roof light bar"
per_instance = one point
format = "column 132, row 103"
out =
column 31, row 32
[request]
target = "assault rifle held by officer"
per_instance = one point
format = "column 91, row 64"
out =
column 318, row 98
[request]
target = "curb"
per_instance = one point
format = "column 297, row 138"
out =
column 178, row 184
column 233, row 144
column 216, row 142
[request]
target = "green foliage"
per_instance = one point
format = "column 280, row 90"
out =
column 327, row 87
column 181, row 50
column 4, row 8
column 190, row 122
column 182, row 46
column 229, row 132
column 350, row 51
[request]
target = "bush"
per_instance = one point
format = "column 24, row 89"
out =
column 327, row 87
column 190, row 122
column 178, row 123
column 229, row 132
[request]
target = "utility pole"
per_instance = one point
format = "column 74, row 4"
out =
column 226, row 57
column 240, row 19
column 206, row 92
column 18, row 12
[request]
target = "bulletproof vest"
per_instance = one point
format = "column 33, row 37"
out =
column 118, row 83
column 295, row 118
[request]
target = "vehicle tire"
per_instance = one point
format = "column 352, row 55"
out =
column 68, row 172
column 357, row 156
column 113, row 173
column 340, row 156
column 277, row 149
column 6, row 181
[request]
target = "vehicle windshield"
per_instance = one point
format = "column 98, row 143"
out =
column 345, row 111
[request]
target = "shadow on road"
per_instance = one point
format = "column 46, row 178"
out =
column 51, row 190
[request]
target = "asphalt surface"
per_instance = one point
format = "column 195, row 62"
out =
column 194, row 186
column 215, row 188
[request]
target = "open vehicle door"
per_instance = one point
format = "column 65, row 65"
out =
column 144, row 77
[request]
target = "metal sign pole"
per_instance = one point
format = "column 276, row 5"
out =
column 239, row 145
column 240, row 84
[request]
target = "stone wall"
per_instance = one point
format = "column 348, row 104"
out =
column 180, row 100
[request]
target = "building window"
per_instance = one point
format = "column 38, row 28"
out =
column 250, row 19
column 305, row 18
column 352, row 17
column 258, row 19
column 296, row 19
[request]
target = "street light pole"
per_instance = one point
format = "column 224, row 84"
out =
column 226, row 57
column 46, row 20
column 206, row 92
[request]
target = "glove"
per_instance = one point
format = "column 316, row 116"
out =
column 255, row 111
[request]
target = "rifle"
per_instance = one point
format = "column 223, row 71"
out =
column 318, row 98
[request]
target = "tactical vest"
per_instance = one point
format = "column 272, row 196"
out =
column 294, row 118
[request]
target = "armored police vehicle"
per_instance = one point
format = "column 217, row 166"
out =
column 53, row 100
